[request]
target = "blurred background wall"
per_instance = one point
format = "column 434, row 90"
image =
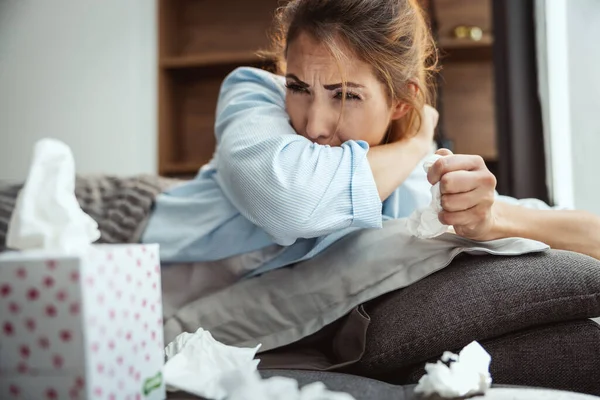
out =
column 583, row 21
column 83, row 72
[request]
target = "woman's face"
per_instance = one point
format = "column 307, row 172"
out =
column 314, row 97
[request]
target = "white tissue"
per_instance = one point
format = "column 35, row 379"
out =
column 467, row 374
column 196, row 363
column 252, row 387
column 47, row 215
column 200, row 365
column 425, row 223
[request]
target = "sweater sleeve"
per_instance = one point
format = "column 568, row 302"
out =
column 281, row 181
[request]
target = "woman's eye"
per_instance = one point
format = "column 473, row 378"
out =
column 294, row 88
column 349, row 96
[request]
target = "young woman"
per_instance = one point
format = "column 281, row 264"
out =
column 334, row 145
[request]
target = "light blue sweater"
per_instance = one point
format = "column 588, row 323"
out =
column 267, row 185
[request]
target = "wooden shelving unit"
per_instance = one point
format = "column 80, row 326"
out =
column 467, row 82
column 201, row 41
column 451, row 43
column 210, row 59
column 181, row 168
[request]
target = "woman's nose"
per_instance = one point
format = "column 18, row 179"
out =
column 319, row 128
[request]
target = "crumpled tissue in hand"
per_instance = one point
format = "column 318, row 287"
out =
column 425, row 223
column 468, row 374
column 47, row 215
column 200, row 365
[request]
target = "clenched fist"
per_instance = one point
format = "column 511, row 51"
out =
column 468, row 194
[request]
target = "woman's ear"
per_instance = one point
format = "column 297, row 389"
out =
column 400, row 108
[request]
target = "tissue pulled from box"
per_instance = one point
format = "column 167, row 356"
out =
column 47, row 215
column 467, row 374
column 424, row 223
column 200, row 365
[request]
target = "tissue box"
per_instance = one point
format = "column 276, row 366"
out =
column 81, row 327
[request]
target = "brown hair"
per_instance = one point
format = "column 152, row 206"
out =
column 390, row 35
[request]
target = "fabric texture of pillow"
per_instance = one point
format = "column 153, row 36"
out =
column 478, row 298
column 286, row 305
column 558, row 356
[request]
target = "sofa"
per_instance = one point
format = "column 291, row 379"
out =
column 532, row 313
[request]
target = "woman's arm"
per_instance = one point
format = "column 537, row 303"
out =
column 382, row 159
column 470, row 206
column 561, row 229
column 289, row 186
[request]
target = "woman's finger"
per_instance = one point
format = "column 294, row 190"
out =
column 459, row 182
column 462, row 201
column 454, row 163
column 444, row 152
column 470, row 217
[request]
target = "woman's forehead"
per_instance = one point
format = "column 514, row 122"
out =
column 307, row 55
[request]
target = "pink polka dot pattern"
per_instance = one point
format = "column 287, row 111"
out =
column 67, row 316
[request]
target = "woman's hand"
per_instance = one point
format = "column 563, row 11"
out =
column 393, row 162
column 467, row 189
column 468, row 202
column 422, row 130
column 426, row 129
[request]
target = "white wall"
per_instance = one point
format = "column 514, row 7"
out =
column 584, row 78
column 82, row 71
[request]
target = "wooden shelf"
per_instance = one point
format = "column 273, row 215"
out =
column 450, row 43
column 201, row 42
column 180, row 168
column 469, row 112
column 210, row 59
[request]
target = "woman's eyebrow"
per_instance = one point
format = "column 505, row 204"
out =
column 333, row 86
column 298, row 81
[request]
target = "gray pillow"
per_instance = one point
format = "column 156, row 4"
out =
column 8, row 197
column 478, row 298
column 288, row 304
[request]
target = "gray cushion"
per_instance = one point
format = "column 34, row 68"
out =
column 477, row 298
column 368, row 389
column 8, row 196
column 359, row 387
column 292, row 303
column 561, row 356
